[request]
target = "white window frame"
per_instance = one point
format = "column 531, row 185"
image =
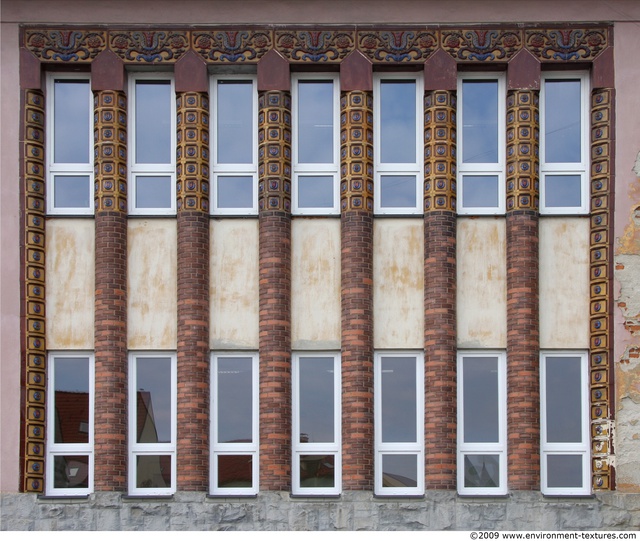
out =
column 68, row 449
column 67, row 169
column 316, row 169
column 311, row 448
column 567, row 168
column 415, row 168
column 483, row 169
column 497, row 448
column 150, row 169
column 139, row 449
column 226, row 449
column 230, row 169
column 583, row 448
column 399, row 448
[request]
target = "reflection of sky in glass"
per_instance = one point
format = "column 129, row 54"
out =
column 71, row 121
column 398, row 399
column 316, row 399
column 480, row 399
column 153, row 122
column 398, row 122
column 399, row 470
column 235, row 399
column 480, row 122
column 562, row 121
column 564, row 399
column 153, row 375
column 315, row 191
column 235, row 122
column 315, row 122
column 481, row 471
column 235, row 192
column 71, row 375
column 71, row 191
column 153, row 192
column 397, row 191
column 562, row 191
column 480, row 191
column 564, row 471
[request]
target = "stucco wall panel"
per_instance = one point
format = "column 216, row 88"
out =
column 234, row 284
column 70, row 279
column 152, row 284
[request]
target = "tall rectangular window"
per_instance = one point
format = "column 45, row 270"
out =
column 399, row 423
column 234, row 424
column 564, row 416
column 152, row 423
column 316, row 144
column 564, row 159
column 482, row 411
column 398, row 142
column 481, row 142
column 70, row 424
column 152, row 145
column 70, row 148
column 317, row 465
column 235, row 143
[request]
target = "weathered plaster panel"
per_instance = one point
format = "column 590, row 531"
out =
column 70, row 279
column 315, row 283
column 482, row 283
column 398, row 283
column 234, row 284
column 564, row 282
column 152, row 268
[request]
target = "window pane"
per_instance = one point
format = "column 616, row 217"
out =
column 71, row 471
column 398, row 399
column 153, row 399
column 480, row 121
column 315, row 122
column 562, row 191
column 481, row 471
column 71, row 191
column 398, row 191
column 398, row 122
column 317, row 471
column 480, row 191
column 153, row 122
column 562, row 121
column 153, row 471
column 235, row 122
column 480, row 400
column 235, row 399
column 564, row 399
column 235, row 192
column 235, row 471
column 153, row 192
column 315, row 192
column 71, row 383
column 399, row 470
column 316, row 392
column 71, row 121
column 564, row 471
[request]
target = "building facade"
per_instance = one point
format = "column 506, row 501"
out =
column 315, row 267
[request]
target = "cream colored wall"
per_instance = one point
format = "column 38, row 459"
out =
column 152, row 284
column 398, row 283
column 234, row 284
column 315, row 284
column 481, row 283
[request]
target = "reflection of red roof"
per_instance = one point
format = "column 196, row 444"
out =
column 144, row 409
column 234, row 470
column 72, row 417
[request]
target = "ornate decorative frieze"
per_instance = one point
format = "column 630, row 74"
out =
column 65, row 45
column 484, row 45
column 314, row 45
column 564, row 44
column 150, row 46
column 400, row 45
column 231, row 45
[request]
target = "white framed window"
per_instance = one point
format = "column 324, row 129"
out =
column 399, row 423
column 234, row 424
column 316, row 441
column 564, row 421
column 235, row 143
column 152, row 423
column 398, row 143
column 481, row 143
column 70, row 421
column 482, row 413
column 152, row 144
column 69, row 144
column 316, row 148
column 564, row 144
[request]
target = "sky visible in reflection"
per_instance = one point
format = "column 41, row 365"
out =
column 564, row 471
column 397, row 191
column 235, row 399
column 398, row 122
column 153, row 375
column 234, row 121
column 234, row 191
column 562, row 121
column 316, row 392
column 153, row 122
column 315, row 191
column 153, row 192
column 398, row 399
column 480, row 121
column 315, row 122
column 480, row 400
column 72, row 117
column 564, row 399
column 480, row 191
